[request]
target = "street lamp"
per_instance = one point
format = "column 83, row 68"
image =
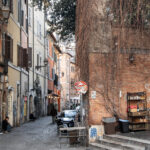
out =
column 5, row 14
column 45, row 64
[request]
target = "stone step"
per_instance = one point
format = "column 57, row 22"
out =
column 98, row 146
column 129, row 140
column 122, row 145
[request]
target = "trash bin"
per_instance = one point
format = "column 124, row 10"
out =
column 124, row 125
column 109, row 125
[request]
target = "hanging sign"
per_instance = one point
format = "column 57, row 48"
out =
column 81, row 87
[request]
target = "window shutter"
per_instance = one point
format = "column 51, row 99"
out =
column 3, row 44
column 7, row 47
column 30, row 57
column 11, row 49
column 22, row 17
column 11, row 6
column 18, row 52
column 24, row 56
column 19, row 56
column 26, row 59
column 53, row 74
column 37, row 59
column 29, row 16
column 27, row 25
column 19, row 11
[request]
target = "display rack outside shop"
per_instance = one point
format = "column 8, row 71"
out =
column 137, row 111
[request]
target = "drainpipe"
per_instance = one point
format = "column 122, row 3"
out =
column 28, row 63
column 20, row 68
column 44, row 57
column 33, row 39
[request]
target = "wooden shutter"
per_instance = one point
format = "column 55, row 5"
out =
column 18, row 55
column 19, row 12
column 27, row 25
column 11, row 50
column 37, row 59
column 24, row 57
column 22, row 17
column 11, row 6
column 7, row 47
column 3, row 44
column 30, row 57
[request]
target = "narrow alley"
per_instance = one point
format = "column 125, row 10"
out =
column 37, row 135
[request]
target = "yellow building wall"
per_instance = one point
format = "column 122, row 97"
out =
column 13, row 29
column 13, row 76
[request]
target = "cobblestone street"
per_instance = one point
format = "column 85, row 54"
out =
column 38, row 135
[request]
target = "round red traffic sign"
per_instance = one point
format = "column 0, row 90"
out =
column 81, row 87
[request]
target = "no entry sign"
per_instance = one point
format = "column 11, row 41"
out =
column 81, row 87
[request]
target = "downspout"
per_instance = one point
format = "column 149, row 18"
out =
column 20, row 67
column 33, row 39
column 44, row 58
column 28, row 63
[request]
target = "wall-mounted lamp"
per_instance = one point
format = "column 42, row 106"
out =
column 5, row 14
column 45, row 64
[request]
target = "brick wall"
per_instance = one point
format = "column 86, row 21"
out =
column 103, row 54
column 128, row 78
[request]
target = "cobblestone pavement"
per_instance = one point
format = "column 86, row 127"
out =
column 37, row 135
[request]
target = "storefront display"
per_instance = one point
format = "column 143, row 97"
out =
column 137, row 111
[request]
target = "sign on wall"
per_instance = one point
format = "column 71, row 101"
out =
column 96, row 132
column 93, row 94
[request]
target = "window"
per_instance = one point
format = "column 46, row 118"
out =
column 72, row 83
column 53, row 74
column 48, row 71
column 22, row 17
column 30, row 57
column 39, row 33
column 19, row 11
column 8, row 48
column 47, row 47
column 62, row 74
column 26, row 25
column 22, row 57
column 72, row 68
column 53, row 50
column 55, row 57
column 18, row 89
column 40, row 62
column 29, row 17
column 37, row 59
